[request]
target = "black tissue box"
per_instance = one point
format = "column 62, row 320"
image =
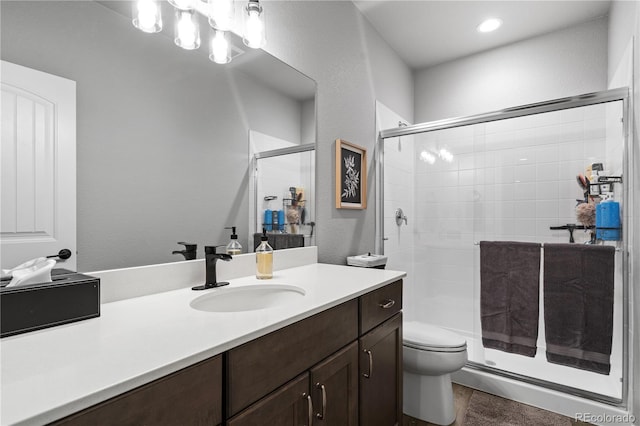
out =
column 70, row 297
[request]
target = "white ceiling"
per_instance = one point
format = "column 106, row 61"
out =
column 429, row 32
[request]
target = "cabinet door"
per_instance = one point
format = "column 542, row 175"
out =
column 289, row 405
column 334, row 384
column 264, row 364
column 192, row 396
column 381, row 374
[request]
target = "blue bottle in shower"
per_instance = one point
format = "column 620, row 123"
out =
column 608, row 222
column 268, row 220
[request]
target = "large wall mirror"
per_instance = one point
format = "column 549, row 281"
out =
column 162, row 133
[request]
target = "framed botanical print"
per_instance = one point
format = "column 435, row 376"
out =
column 351, row 176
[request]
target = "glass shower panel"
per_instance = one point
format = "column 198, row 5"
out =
column 444, row 169
column 507, row 180
column 525, row 184
column 399, row 193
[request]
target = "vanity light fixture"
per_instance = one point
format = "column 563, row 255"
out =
column 221, row 14
column 187, row 29
column 219, row 48
column 254, row 25
column 182, row 4
column 147, row 16
column 489, row 25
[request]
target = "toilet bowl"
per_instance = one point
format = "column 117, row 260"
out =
column 430, row 355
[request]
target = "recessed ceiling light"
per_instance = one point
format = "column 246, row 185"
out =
column 489, row 25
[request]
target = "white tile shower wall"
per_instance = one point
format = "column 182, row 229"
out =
column 507, row 180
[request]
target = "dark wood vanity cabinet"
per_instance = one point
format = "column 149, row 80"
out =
column 325, row 395
column 339, row 367
column 334, row 388
column 192, row 396
column 320, row 351
column 381, row 374
column 288, row 405
column 381, row 356
column 349, row 365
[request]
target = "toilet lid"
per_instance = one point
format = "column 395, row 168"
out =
column 420, row 335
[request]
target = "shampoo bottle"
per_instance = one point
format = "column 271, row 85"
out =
column 234, row 247
column 264, row 258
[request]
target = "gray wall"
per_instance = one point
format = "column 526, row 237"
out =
column 563, row 63
column 162, row 133
column 332, row 43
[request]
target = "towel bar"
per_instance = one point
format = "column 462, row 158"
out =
column 477, row 243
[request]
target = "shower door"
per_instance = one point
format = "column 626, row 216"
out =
column 502, row 176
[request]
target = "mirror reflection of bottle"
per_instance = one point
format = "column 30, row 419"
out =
column 234, row 247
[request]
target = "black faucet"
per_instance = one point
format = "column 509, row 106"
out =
column 189, row 251
column 210, row 259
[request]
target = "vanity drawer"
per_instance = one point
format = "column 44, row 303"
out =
column 262, row 365
column 190, row 396
column 380, row 305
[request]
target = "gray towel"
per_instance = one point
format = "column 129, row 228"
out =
column 578, row 305
column 509, row 295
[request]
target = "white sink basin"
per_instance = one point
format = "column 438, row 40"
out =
column 248, row 298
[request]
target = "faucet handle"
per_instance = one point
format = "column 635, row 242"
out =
column 189, row 252
column 212, row 249
column 189, row 246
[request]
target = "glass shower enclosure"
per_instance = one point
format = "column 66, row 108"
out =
column 510, row 175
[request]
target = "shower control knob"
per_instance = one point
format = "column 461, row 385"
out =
column 400, row 216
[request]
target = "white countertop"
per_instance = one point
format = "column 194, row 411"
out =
column 51, row 373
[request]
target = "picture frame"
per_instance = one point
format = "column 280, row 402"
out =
column 351, row 175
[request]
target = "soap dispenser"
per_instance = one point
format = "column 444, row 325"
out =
column 234, row 246
column 264, row 258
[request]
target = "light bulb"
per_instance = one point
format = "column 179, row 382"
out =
column 147, row 16
column 254, row 36
column 221, row 14
column 489, row 25
column 219, row 48
column 182, row 4
column 187, row 32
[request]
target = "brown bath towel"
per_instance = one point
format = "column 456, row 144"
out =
column 578, row 305
column 509, row 295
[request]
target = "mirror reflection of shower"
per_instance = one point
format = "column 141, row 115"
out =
column 282, row 192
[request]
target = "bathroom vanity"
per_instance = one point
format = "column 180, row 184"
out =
column 334, row 356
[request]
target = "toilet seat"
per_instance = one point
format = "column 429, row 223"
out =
column 428, row 337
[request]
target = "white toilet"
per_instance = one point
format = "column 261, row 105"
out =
column 430, row 355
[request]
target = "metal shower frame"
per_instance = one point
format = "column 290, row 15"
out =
column 620, row 94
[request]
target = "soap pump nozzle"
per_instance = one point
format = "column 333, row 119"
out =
column 234, row 247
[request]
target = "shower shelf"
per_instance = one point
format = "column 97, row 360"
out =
column 571, row 227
